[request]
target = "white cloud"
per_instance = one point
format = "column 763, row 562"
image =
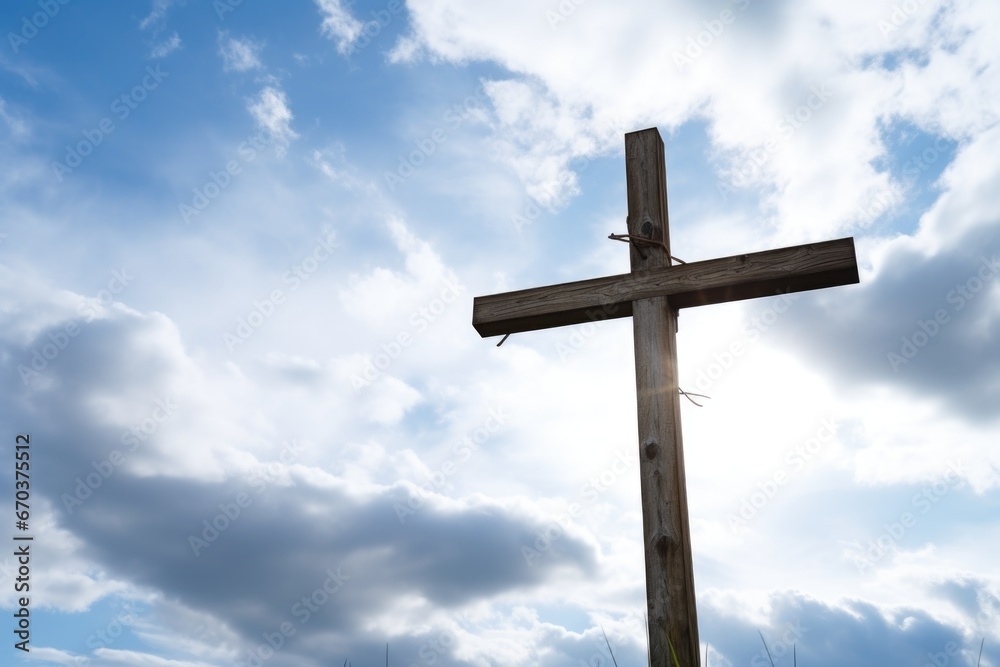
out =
column 464, row 551
column 15, row 123
column 239, row 55
column 389, row 401
column 537, row 135
column 270, row 111
column 569, row 393
column 339, row 25
column 629, row 66
column 332, row 163
column 55, row 655
column 156, row 13
column 406, row 50
column 73, row 583
column 139, row 659
column 937, row 287
column 167, row 47
column 379, row 298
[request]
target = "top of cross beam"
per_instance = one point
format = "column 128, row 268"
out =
column 792, row 269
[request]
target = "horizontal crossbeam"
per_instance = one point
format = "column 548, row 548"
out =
column 793, row 269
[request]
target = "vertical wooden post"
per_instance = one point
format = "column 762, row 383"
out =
column 670, row 597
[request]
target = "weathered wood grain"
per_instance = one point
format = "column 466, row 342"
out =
column 670, row 598
column 793, row 269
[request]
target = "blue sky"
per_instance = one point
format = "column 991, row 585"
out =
column 240, row 244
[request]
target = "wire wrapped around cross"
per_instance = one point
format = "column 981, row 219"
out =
column 638, row 241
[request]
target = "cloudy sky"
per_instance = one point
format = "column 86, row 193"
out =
column 238, row 252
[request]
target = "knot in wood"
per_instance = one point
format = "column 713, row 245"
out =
column 663, row 543
column 651, row 449
column 646, row 229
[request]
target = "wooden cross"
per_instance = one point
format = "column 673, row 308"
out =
column 652, row 294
